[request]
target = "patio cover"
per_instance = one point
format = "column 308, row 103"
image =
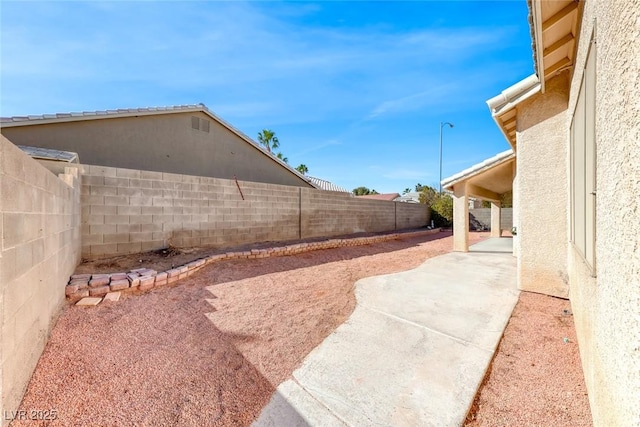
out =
column 487, row 180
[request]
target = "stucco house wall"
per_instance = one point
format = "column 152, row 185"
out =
column 542, row 187
column 159, row 142
column 39, row 249
column 607, row 307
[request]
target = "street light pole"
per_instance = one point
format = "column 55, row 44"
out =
column 441, row 125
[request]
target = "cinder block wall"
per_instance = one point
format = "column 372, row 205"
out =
column 129, row 211
column 40, row 228
column 483, row 216
column 326, row 213
column 412, row 215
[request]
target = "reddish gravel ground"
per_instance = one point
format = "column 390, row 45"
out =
column 186, row 355
column 210, row 350
column 536, row 377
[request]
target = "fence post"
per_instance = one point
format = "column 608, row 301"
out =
column 300, row 213
column 395, row 216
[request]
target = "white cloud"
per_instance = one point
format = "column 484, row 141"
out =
column 255, row 59
column 430, row 97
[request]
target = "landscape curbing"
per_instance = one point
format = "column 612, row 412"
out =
column 143, row 279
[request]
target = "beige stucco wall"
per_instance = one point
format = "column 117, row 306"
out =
column 542, row 190
column 163, row 143
column 460, row 217
column 516, row 211
column 607, row 308
column 40, row 248
column 129, row 211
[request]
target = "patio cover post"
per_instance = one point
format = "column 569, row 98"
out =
column 460, row 218
column 496, row 210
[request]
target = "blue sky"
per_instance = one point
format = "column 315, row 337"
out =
column 354, row 90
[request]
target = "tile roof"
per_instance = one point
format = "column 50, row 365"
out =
column 477, row 168
column 386, row 196
column 411, row 197
column 85, row 115
column 133, row 112
column 50, row 154
column 326, row 185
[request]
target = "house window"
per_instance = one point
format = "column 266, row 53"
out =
column 583, row 164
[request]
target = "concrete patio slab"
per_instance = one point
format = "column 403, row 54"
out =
column 494, row 244
column 413, row 352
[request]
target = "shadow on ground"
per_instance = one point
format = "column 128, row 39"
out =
column 211, row 349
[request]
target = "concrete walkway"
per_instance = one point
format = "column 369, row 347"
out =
column 496, row 245
column 414, row 351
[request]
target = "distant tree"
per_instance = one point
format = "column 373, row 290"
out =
column 282, row 157
column 363, row 191
column 303, row 169
column 406, row 190
column 427, row 194
column 506, row 200
column 419, row 187
column 269, row 139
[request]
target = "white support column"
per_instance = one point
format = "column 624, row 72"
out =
column 460, row 218
column 496, row 209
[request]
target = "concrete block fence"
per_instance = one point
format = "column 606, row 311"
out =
column 39, row 249
column 143, row 279
column 129, row 211
column 483, row 216
column 49, row 219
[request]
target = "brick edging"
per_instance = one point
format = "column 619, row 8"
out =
column 143, row 279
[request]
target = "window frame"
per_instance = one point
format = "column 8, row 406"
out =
column 583, row 210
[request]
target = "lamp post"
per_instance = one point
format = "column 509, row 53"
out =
column 441, row 126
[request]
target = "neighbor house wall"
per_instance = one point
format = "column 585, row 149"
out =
column 163, row 143
column 542, row 190
column 40, row 248
column 129, row 211
column 607, row 307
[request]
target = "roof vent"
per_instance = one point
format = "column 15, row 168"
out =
column 200, row 124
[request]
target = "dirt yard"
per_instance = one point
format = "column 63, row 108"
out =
column 536, row 377
column 211, row 349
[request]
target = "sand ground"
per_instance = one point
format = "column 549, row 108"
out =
column 212, row 349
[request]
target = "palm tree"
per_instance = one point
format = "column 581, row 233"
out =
column 303, row 169
column 363, row 191
column 282, row 157
column 269, row 139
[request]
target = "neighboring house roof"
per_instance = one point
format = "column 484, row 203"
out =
column 387, row 196
column 50, row 154
column 410, row 197
column 6, row 122
column 476, row 172
column 326, row 185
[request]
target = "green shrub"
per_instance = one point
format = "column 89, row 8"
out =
column 442, row 210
